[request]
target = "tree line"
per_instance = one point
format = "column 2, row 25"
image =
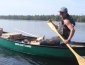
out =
column 78, row 18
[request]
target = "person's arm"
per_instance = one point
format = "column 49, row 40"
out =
column 53, row 23
column 71, row 28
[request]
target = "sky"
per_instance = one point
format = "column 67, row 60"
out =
column 41, row 7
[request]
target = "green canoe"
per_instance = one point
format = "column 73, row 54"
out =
column 42, row 50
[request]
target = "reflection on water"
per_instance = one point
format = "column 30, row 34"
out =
column 8, row 57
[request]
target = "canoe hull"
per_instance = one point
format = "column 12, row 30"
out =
column 46, row 51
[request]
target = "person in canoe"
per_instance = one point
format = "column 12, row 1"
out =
column 65, row 28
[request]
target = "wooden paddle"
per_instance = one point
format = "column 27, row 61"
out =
column 81, row 60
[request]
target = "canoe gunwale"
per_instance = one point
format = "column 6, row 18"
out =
column 49, row 46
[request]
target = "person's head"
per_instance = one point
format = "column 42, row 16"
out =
column 63, row 11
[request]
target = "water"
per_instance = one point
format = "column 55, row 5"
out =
column 37, row 28
column 8, row 57
column 34, row 28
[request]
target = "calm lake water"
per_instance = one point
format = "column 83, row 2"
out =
column 39, row 28
column 34, row 28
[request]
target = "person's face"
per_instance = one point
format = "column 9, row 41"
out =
column 62, row 14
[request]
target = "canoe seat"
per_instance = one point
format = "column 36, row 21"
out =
column 77, row 45
column 12, row 35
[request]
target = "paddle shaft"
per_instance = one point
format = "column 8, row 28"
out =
column 81, row 61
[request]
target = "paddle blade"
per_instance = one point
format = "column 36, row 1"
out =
column 81, row 60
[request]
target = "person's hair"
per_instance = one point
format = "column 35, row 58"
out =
column 66, row 16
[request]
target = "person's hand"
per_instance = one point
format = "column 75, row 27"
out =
column 49, row 20
column 66, row 41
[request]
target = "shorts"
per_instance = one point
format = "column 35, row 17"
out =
column 52, row 41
